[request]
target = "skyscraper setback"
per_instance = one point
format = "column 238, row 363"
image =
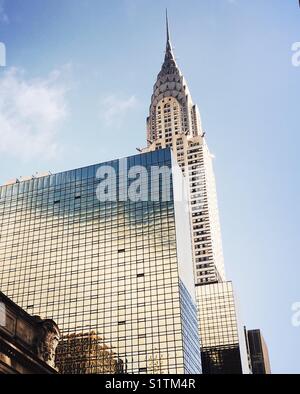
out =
column 174, row 121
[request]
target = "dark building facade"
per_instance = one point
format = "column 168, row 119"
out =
column 27, row 343
column 115, row 274
column 258, row 353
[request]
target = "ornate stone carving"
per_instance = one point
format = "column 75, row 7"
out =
column 47, row 340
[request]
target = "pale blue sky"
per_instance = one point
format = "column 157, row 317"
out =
column 71, row 64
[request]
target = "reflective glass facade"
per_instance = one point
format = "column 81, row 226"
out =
column 223, row 346
column 111, row 274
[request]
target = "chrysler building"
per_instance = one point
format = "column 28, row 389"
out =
column 174, row 121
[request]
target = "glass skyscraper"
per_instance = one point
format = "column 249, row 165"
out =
column 116, row 275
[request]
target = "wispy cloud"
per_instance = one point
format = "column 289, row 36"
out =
column 31, row 111
column 114, row 109
column 3, row 15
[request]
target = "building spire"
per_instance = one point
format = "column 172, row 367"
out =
column 167, row 25
column 169, row 46
column 169, row 56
